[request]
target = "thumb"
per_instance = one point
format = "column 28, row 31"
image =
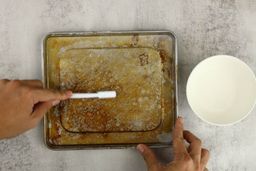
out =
column 41, row 108
column 148, row 156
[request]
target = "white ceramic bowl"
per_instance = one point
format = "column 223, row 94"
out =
column 221, row 90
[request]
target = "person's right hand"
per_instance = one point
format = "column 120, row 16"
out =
column 193, row 158
column 23, row 104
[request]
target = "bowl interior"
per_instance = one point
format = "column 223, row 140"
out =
column 221, row 90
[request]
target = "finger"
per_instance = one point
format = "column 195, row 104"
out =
column 148, row 156
column 33, row 83
column 194, row 147
column 42, row 95
column 4, row 81
column 204, row 157
column 41, row 108
column 179, row 148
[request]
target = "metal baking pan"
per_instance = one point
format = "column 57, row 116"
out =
column 141, row 66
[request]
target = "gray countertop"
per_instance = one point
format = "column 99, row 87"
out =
column 203, row 28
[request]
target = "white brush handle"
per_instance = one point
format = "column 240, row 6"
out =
column 100, row 94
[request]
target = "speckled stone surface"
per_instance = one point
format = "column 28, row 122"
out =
column 203, row 28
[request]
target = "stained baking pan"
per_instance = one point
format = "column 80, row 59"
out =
column 141, row 66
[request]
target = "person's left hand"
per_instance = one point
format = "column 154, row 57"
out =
column 23, row 103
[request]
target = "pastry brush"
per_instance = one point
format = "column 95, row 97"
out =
column 99, row 94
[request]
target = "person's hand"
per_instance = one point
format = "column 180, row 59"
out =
column 23, row 104
column 193, row 158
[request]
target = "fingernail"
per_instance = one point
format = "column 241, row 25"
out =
column 55, row 102
column 69, row 93
column 140, row 148
column 181, row 119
